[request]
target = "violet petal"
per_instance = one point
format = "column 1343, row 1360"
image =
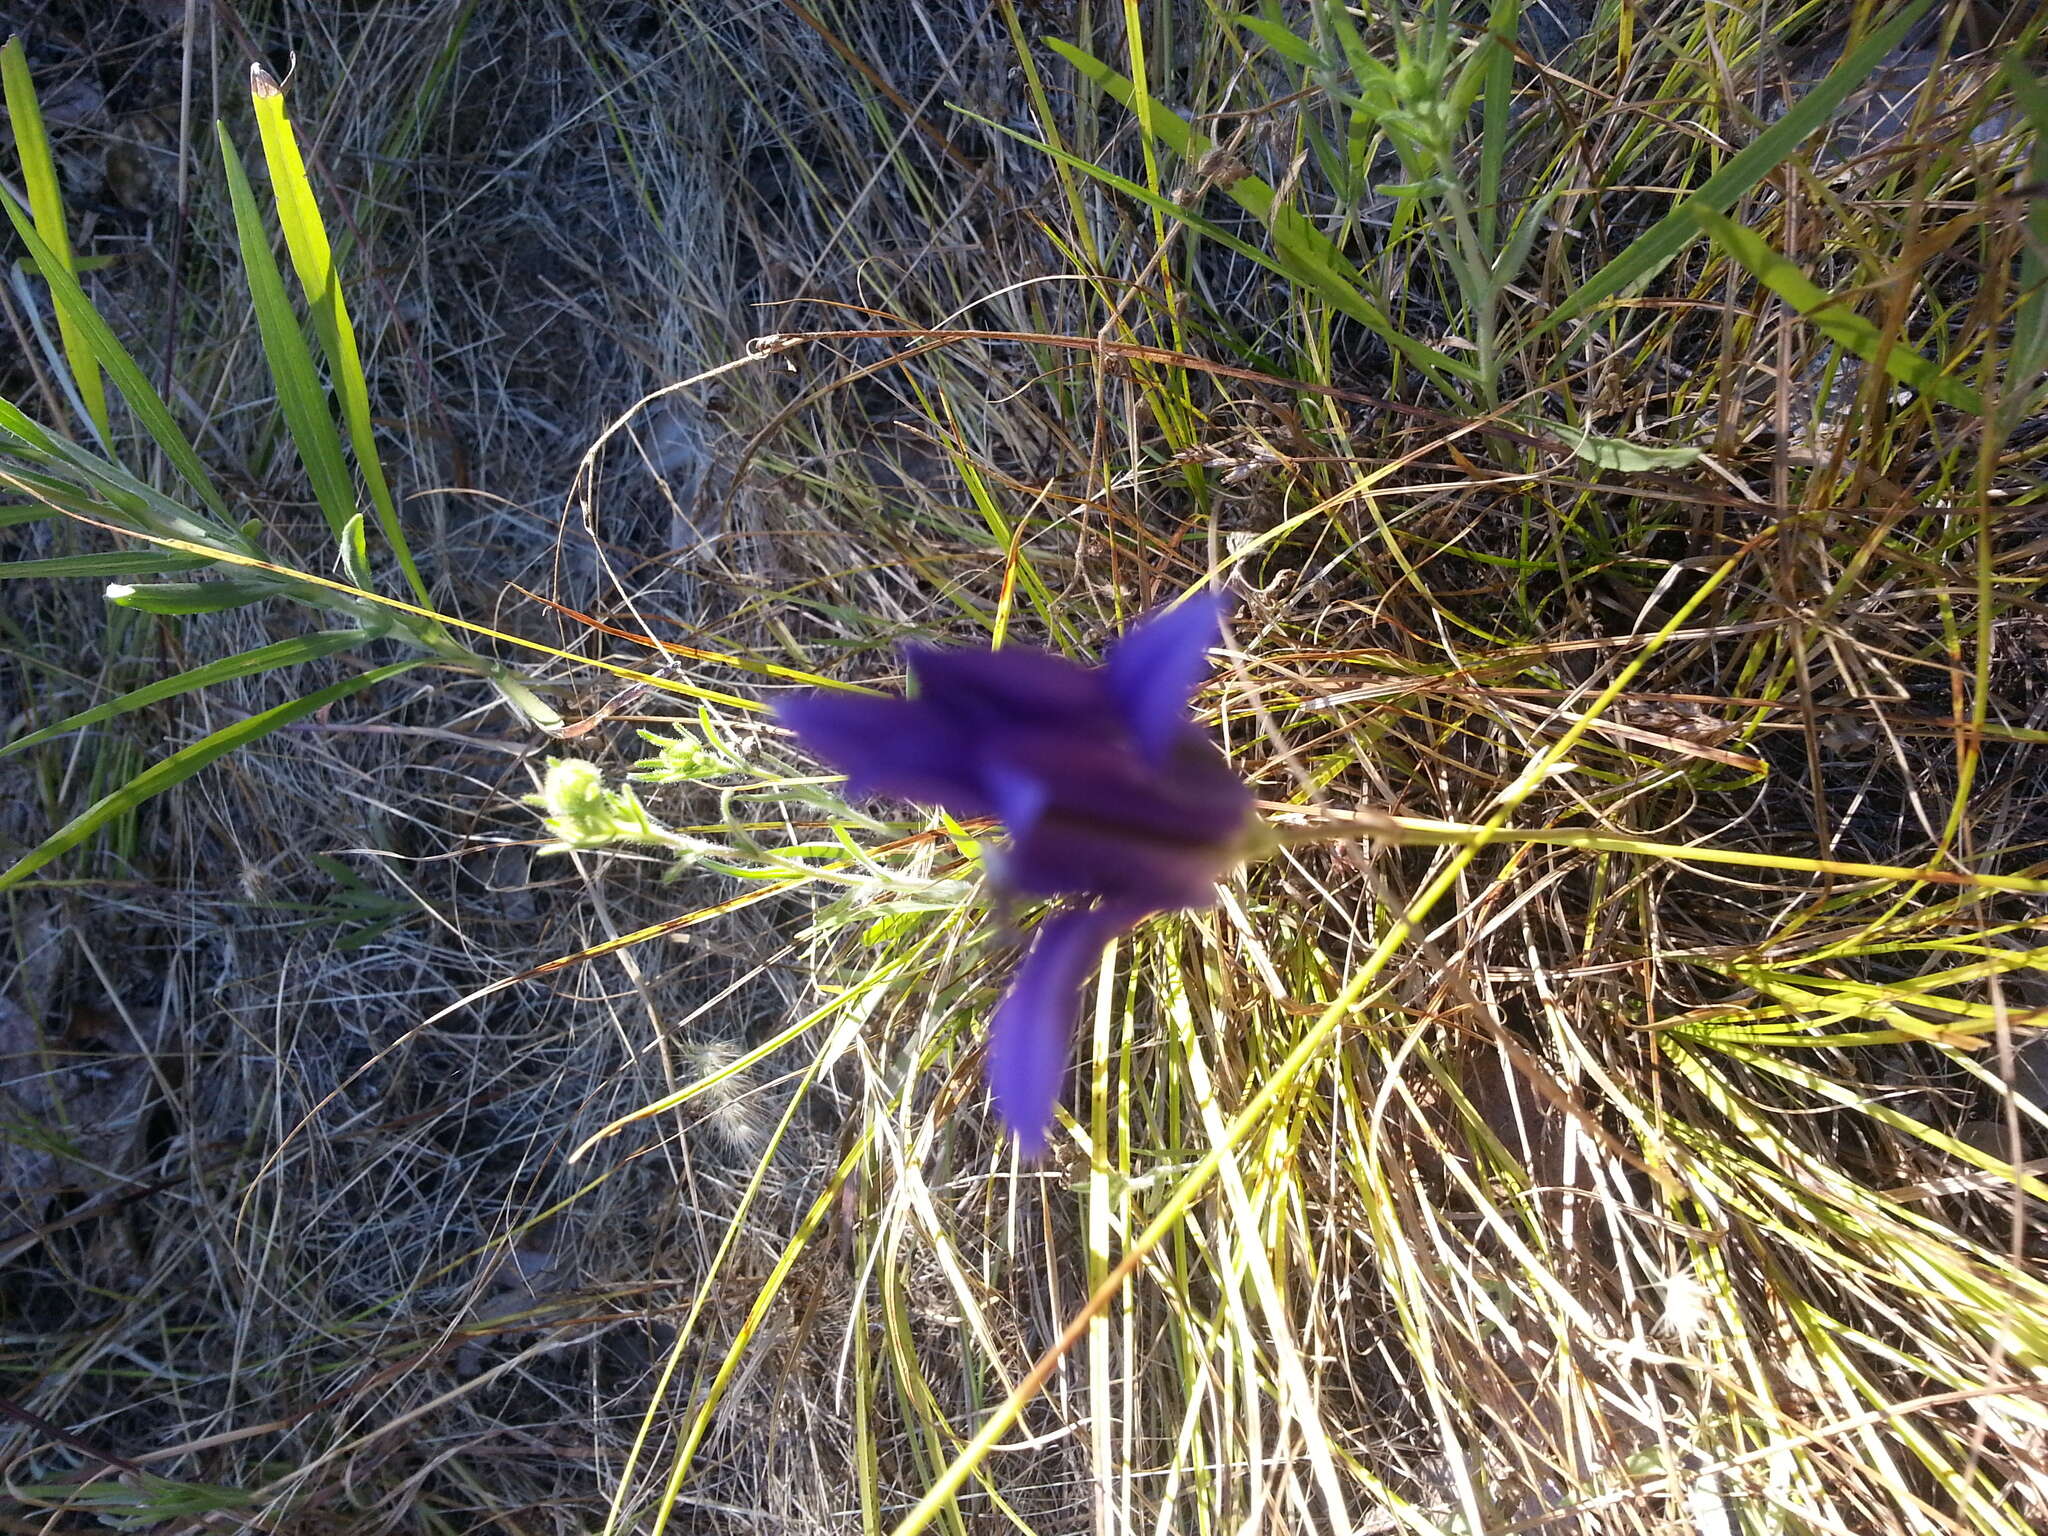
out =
column 1017, row 687
column 1031, row 1035
column 1062, row 857
column 1193, row 798
column 1057, row 849
column 1154, row 669
column 895, row 747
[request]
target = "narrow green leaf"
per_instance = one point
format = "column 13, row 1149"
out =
column 187, row 597
column 1494, row 128
column 28, row 433
column 1831, row 314
column 113, row 562
column 1366, row 69
column 1507, row 265
column 513, row 689
column 299, row 392
column 111, row 493
column 1860, row 1102
column 2028, row 357
column 144, row 1504
column 1295, row 50
column 1629, row 458
column 305, row 238
column 14, row 517
column 50, row 496
column 1648, row 253
column 142, row 398
column 265, row 658
column 48, row 491
column 46, row 201
column 181, row 765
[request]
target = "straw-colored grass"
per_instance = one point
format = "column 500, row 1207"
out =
column 1484, row 1162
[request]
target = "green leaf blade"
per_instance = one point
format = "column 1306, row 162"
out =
column 46, row 203
column 182, row 598
column 182, row 765
column 135, row 388
column 300, row 394
column 266, row 658
column 1294, row 49
column 1625, row 457
column 312, row 257
column 1831, row 316
column 1745, row 169
column 113, row 562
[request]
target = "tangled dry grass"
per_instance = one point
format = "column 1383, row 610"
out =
column 1606, row 1191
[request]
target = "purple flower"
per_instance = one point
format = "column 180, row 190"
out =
column 1116, row 804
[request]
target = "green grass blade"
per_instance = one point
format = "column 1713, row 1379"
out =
column 312, row 256
column 265, row 658
column 182, row 764
column 28, row 435
column 183, row 598
column 141, row 396
column 1647, row 254
column 109, row 493
column 1626, row 457
column 1831, row 315
column 1295, row 50
column 46, row 201
column 113, row 562
column 145, row 1504
column 45, row 491
column 299, row 392
column 1514, row 251
column 2029, row 353
column 1494, row 125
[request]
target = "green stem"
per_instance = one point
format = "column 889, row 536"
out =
column 1482, row 293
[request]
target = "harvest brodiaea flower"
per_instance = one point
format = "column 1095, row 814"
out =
column 1116, row 804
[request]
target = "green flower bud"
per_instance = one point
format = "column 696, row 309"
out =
column 580, row 812
column 680, row 760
